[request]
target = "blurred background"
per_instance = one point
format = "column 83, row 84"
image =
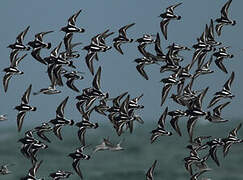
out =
column 118, row 75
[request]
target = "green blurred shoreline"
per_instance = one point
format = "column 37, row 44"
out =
column 132, row 163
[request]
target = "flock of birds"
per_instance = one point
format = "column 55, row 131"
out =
column 121, row 110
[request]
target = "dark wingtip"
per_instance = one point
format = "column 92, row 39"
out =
column 88, row 157
column 82, row 30
column 71, row 122
column 48, row 46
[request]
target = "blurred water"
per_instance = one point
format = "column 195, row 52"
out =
column 130, row 164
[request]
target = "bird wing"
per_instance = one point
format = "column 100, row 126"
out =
column 67, row 41
column 21, row 36
column 214, row 100
column 219, row 63
column 217, row 110
column 234, row 131
column 76, row 167
column 40, row 35
column 96, row 80
column 140, row 69
column 36, row 54
column 81, row 135
column 190, row 125
column 213, row 154
column 57, row 131
column 218, row 28
column 122, row 31
column 165, row 92
column 174, row 124
column 71, row 85
column 161, row 122
column 72, row 19
column 227, row 85
column 163, row 26
column 170, row 9
column 224, row 10
column 157, row 46
column 60, row 108
column 89, row 61
column 6, row 79
column 25, row 98
column 117, row 46
column 150, row 172
column 20, row 119
column 42, row 136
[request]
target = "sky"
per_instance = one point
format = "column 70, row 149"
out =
column 119, row 72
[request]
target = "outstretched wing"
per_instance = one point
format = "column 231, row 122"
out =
column 25, row 98
column 60, row 108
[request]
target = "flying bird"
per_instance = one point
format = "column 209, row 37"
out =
column 122, row 38
column 18, row 45
column 160, row 130
column 166, row 17
column 150, row 172
column 23, row 108
column 224, row 19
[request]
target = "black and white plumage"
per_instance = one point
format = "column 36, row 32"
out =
column 142, row 62
column 122, row 38
column 84, row 125
column 97, row 45
column 196, row 175
column 71, row 26
column 204, row 69
column 18, row 45
column 77, row 156
column 32, row 172
column 225, row 92
column 210, row 38
column 224, row 19
column 13, row 69
column 213, row 145
column 166, row 17
column 195, row 111
column 220, row 56
column 39, row 44
column 51, row 90
column 40, row 130
column 168, row 83
column 157, row 47
column 69, row 53
column 216, row 116
column 143, row 42
column 160, row 130
column 175, row 115
column 150, row 172
column 231, row 139
column 23, row 108
column 71, row 77
column 60, row 120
